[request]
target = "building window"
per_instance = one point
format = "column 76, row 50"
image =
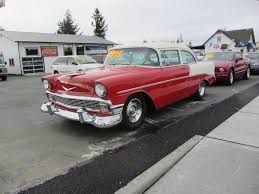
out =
column 11, row 62
column 68, row 50
column 218, row 39
column 32, row 51
column 80, row 50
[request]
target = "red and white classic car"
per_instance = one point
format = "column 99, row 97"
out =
column 133, row 80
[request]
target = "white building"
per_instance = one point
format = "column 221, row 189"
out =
column 29, row 52
column 230, row 40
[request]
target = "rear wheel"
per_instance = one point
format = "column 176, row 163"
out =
column 231, row 77
column 247, row 73
column 134, row 112
column 200, row 93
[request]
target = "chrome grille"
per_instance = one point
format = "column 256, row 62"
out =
column 74, row 103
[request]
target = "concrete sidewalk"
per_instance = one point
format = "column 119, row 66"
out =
column 225, row 161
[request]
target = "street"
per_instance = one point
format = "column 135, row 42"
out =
column 35, row 147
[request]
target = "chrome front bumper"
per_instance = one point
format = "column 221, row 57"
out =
column 84, row 117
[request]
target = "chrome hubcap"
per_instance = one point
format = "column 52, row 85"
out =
column 231, row 77
column 202, row 88
column 134, row 110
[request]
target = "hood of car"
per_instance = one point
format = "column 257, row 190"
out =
column 222, row 63
column 83, row 82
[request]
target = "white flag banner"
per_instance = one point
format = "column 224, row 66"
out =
column 2, row 3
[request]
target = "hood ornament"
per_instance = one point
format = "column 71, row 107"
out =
column 68, row 89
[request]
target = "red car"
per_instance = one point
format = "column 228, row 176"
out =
column 132, row 81
column 229, row 66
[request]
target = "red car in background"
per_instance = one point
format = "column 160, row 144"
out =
column 229, row 66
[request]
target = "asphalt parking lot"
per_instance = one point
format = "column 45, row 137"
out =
column 35, row 147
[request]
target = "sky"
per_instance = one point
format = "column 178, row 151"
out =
column 136, row 20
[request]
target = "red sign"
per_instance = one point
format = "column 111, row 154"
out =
column 49, row 51
column 216, row 46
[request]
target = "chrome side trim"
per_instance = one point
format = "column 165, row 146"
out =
column 157, row 83
column 153, row 84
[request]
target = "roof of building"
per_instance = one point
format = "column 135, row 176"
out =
column 242, row 35
column 53, row 38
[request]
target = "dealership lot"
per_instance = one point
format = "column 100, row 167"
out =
column 35, row 146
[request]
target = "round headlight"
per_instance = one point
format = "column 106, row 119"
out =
column 46, row 84
column 100, row 90
column 221, row 69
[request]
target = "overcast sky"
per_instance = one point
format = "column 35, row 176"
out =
column 136, row 20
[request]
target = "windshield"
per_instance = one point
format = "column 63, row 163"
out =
column 219, row 57
column 1, row 60
column 254, row 56
column 132, row 56
column 85, row 59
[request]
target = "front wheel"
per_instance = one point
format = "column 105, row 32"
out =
column 200, row 93
column 134, row 112
column 247, row 74
column 231, row 77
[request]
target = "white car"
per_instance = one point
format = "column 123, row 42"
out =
column 72, row 64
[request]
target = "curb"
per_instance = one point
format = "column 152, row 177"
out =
column 142, row 182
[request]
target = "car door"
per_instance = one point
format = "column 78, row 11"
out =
column 72, row 65
column 60, row 65
column 240, row 65
column 193, row 81
column 175, row 76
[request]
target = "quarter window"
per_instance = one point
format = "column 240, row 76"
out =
column 170, row 57
column 187, row 57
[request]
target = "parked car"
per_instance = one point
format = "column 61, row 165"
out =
column 229, row 66
column 254, row 61
column 3, row 69
column 199, row 55
column 71, row 64
column 133, row 80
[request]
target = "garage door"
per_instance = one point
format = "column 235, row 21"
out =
column 33, row 64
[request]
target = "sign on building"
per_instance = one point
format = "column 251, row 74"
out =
column 50, row 51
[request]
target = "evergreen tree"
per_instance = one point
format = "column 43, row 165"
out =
column 67, row 25
column 99, row 25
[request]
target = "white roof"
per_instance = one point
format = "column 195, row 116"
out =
column 154, row 46
column 53, row 38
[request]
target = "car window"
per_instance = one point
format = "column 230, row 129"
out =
column 132, row 56
column 61, row 61
column 187, row 57
column 170, row 57
column 72, row 61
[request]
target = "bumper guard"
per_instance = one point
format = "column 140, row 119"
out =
column 84, row 117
